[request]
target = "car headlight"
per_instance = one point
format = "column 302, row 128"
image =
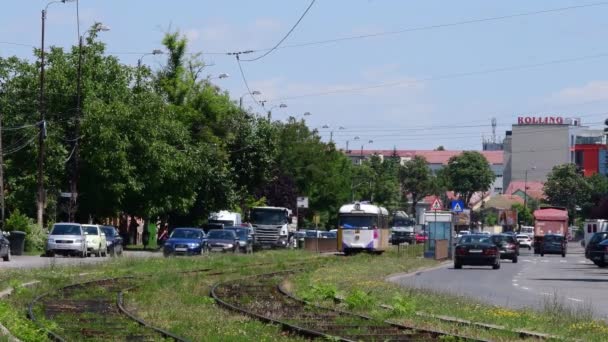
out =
column 193, row 245
column 242, row 243
column 51, row 241
column 229, row 245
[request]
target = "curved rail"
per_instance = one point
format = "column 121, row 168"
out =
column 96, row 306
column 311, row 320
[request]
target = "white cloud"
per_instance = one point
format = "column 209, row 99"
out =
column 592, row 91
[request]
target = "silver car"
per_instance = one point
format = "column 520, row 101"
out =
column 66, row 239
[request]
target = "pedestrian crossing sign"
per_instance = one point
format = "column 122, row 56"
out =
column 436, row 204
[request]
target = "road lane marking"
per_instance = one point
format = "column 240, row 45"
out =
column 545, row 293
column 563, row 261
column 525, row 288
column 582, row 262
column 575, row 299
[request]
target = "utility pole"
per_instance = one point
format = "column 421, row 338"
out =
column 73, row 207
column 41, row 196
column 1, row 177
column 331, row 136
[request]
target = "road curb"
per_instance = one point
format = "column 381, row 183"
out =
column 393, row 277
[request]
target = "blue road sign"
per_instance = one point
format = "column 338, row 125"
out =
column 457, row 206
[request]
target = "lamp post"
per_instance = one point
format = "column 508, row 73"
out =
column 282, row 105
column 139, row 62
column 41, row 136
column 255, row 92
column 369, row 142
column 97, row 27
column 220, row 76
column 295, row 118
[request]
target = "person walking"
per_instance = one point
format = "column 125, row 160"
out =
column 163, row 235
column 145, row 237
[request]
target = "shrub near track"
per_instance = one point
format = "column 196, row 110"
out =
column 359, row 282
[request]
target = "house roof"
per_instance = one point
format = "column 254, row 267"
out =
column 551, row 214
column 535, row 189
column 503, row 201
column 432, row 156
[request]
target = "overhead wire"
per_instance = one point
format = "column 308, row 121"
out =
column 17, row 149
column 238, row 61
column 284, row 37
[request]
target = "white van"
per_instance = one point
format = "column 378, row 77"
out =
column 594, row 226
column 225, row 217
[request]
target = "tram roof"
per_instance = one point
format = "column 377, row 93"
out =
column 362, row 208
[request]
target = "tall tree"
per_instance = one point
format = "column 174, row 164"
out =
column 468, row 173
column 416, row 180
column 565, row 187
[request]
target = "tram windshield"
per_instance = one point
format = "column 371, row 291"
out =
column 358, row 221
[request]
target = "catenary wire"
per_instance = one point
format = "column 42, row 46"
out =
column 284, row 37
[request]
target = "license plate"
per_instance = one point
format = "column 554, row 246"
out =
column 181, row 249
column 475, row 250
column 217, row 249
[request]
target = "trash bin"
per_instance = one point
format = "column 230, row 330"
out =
column 17, row 240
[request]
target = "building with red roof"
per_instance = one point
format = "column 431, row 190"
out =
column 531, row 189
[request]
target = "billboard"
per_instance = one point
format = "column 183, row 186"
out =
column 507, row 217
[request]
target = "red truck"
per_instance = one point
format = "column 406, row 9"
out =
column 549, row 220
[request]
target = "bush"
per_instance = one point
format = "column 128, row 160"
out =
column 34, row 237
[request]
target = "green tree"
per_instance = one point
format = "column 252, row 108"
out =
column 565, row 187
column 524, row 215
column 416, row 180
column 468, row 173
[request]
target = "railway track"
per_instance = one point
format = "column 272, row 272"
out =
column 93, row 311
column 261, row 296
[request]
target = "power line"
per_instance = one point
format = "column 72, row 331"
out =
column 285, row 37
column 238, row 61
column 17, row 149
column 447, row 76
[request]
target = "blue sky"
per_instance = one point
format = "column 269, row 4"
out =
column 401, row 116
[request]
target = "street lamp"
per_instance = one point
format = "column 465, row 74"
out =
column 42, row 108
column 139, row 61
column 369, row 142
column 220, row 76
column 255, row 92
column 298, row 116
column 97, row 27
column 282, row 105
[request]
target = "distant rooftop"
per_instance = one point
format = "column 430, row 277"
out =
column 432, row 156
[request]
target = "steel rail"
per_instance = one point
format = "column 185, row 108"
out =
column 435, row 335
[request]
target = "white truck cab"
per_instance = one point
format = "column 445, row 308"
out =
column 594, row 226
column 225, row 217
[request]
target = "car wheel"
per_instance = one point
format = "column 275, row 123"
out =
column 600, row 264
column 166, row 254
column 514, row 260
column 119, row 253
column 7, row 257
column 98, row 254
column 457, row 266
column 496, row 266
column 50, row 254
column 563, row 255
column 542, row 254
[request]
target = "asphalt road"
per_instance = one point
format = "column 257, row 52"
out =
column 27, row 261
column 532, row 282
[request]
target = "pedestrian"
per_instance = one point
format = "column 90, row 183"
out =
column 163, row 235
column 145, row 236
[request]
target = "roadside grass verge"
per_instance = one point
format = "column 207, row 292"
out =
column 166, row 297
column 359, row 280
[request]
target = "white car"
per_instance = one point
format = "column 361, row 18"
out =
column 524, row 240
column 66, row 239
column 96, row 240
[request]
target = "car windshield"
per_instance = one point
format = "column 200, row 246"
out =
column 553, row 238
column 328, row 234
column 503, row 238
column 221, row 235
column 523, row 237
column 474, row 239
column 66, row 229
column 311, row 233
column 599, row 237
column 464, row 232
column 267, row 217
column 91, row 230
column 404, row 222
column 358, row 221
column 109, row 231
column 186, row 234
column 224, row 222
column 241, row 233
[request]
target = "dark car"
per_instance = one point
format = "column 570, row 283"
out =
column 402, row 235
column 553, row 244
column 113, row 240
column 329, row 235
column 476, row 250
column 5, row 246
column 185, row 241
column 222, row 241
column 594, row 251
column 245, row 238
column 508, row 246
column 599, row 255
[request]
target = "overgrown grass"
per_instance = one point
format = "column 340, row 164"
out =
column 181, row 304
column 359, row 281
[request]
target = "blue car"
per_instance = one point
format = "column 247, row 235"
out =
column 185, row 241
